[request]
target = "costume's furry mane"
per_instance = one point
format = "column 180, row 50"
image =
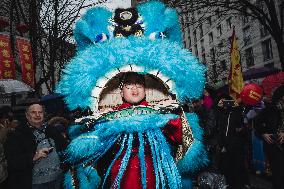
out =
column 101, row 56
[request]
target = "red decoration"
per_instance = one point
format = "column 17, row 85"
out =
column 270, row 83
column 26, row 61
column 4, row 22
column 22, row 27
column 251, row 94
column 7, row 65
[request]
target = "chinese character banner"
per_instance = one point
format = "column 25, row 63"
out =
column 7, row 65
column 26, row 61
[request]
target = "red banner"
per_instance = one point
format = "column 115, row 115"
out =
column 26, row 61
column 7, row 65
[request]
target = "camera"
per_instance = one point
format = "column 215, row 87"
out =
column 228, row 103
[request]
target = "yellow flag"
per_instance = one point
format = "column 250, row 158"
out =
column 235, row 79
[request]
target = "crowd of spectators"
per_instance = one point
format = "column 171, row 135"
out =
column 31, row 151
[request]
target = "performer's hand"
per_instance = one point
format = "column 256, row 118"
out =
column 221, row 102
column 41, row 153
column 267, row 138
column 281, row 137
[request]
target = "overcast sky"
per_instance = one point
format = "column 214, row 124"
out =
column 112, row 4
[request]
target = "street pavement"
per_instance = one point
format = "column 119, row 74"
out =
column 259, row 182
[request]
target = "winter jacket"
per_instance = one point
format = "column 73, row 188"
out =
column 20, row 148
column 268, row 120
column 3, row 165
column 231, row 131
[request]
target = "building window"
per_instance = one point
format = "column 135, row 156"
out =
column 209, row 21
column 212, row 54
column 263, row 31
column 196, row 51
column 202, row 45
column 189, row 42
column 247, row 37
column 194, row 36
column 267, row 50
column 201, row 31
column 249, row 57
column 217, row 12
column 219, row 29
column 210, row 37
column 269, row 65
column 224, row 65
column 245, row 19
column 229, row 23
column 203, row 58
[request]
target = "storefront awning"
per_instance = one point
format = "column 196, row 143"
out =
column 255, row 73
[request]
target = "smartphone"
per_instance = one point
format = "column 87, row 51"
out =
column 50, row 149
column 228, row 103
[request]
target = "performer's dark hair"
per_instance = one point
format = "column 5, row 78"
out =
column 132, row 78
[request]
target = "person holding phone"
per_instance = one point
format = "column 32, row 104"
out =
column 32, row 153
column 231, row 142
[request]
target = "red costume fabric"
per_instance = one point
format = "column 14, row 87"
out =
column 131, row 178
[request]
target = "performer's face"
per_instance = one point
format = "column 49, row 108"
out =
column 133, row 93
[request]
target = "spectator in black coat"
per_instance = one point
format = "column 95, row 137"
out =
column 231, row 142
column 270, row 127
column 32, row 152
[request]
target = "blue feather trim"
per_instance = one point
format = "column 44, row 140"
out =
column 68, row 181
column 196, row 156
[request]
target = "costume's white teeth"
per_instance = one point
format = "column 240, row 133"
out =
column 112, row 74
column 96, row 92
column 127, row 68
column 137, row 68
column 101, row 82
column 165, row 79
column 154, row 72
column 95, row 104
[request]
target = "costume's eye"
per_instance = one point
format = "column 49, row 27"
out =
column 119, row 35
column 138, row 33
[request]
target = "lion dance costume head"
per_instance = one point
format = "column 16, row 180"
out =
column 146, row 40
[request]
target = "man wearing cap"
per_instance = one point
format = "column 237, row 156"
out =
column 33, row 153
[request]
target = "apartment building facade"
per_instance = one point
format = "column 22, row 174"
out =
column 209, row 40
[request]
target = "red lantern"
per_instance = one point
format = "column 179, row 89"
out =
column 251, row 94
column 22, row 27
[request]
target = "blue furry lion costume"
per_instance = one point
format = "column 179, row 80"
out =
column 110, row 44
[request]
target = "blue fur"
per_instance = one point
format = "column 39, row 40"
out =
column 178, row 64
column 92, row 176
column 68, row 180
column 88, row 178
column 196, row 151
column 115, row 158
column 74, row 131
column 154, row 158
column 153, row 139
column 137, row 123
column 142, row 160
column 155, row 11
column 93, row 23
column 84, row 148
column 169, row 166
column 94, row 61
column 124, row 162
